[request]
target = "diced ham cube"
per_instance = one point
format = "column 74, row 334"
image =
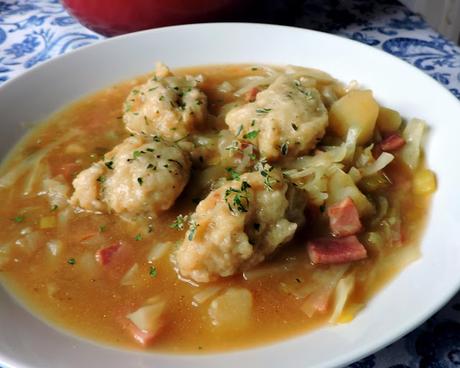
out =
column 344, row 218
column 251, row 95
column 333, row 251
column 105, row 255
column 392, row 143
column 143, row 337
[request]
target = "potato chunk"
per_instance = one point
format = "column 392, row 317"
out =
column 356, row 110
column 232, row 310
column 388, row 120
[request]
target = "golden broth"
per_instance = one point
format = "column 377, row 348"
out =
column 71, row 290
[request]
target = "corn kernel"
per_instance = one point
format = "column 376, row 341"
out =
column 47, row 222
column 346, row 317
column 424, row 182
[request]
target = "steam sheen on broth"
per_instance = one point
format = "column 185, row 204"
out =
column 215, row 208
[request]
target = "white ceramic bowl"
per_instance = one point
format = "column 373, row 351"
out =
column 413, row 296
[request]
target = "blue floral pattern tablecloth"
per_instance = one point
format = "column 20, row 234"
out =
column 33, row 31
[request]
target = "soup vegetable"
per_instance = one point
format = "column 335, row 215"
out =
column 212, row 208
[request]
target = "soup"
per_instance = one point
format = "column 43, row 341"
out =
column 216, row 208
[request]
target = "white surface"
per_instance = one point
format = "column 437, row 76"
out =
column 412, row 297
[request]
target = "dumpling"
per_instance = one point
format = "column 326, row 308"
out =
column 236, row 226
column 142, row 174
column 166, row 105
column 286, row 119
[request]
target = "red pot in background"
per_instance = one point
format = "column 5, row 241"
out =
column 113, row 17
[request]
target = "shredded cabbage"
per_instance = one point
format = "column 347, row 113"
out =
column 130, row 276
column 30, row 163
column 342, row 292
column 382, row 161
column 158, row 251
column 147, row 318
column 205, row 294
column 225, row 87
column 248, row 83
column 413, row 135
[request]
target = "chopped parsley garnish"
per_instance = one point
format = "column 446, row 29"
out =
column 233, row 174
column 263, row 110
column 135, row 92
column 192, row 229
column 54, row 207
column 150, row 149
column 71, row 261
column 284, row 148
column 176, row 162
column 264, row 168
column 199, row 102
column 101, row 179
column 138, row 237
column 153, row 272
column 136, row 154
column 237, row 199
column 156, row 138
column 254, row 68
column 102, row 228
column 140, row 181
column 152, row 89
column 251, row 135
column 179, row 222
column 294, row 126
column 162, row 98
column 235, row 146
column 299, row 86
column 18, row 219
column 239, row 130
column 109, row 165
column 253, row 123
column 151, row 166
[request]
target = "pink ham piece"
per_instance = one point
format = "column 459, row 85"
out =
column 392, row 143
column 105, row 255
column 333, row 251
column 344, row 218
column 143, row 337
column 251, row 95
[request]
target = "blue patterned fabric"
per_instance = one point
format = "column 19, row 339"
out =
column 33, row 31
